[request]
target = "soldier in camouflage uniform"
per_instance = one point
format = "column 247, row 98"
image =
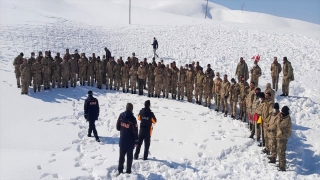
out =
column 275, row 71
column 181, row 82
column 65, row 72
column 24, row 70
column 272, row 133
column 166, row 81
column 242, row 70
column 31, row 60
column 234, row 92
column 142, row 75
column 46, row 70
column 17, row 62
column 83, row 67
column 125, row 77
column 216, row 91
column 243, row 86
column 174, row 80
column 56, row 72
column 110, row 73
column 255, row 73
column 211, row 72
column 67, row 55
column 158, row 73
column 271, row 91
column 117, row 75
column 36, row 75
column 104, row 72
column 98, row 67
column 284, row 128
column 254, row 106
column 151, row 80
column 91, row 72
column 287, row 76
column 133, row 79
column 199, row 79
column 74, row 69
column 208, row 88
column 190, row 82
column 224, row 94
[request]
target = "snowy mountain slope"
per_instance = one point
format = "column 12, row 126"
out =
column 43, row 135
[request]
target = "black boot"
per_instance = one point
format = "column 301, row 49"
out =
column 167, row 96
column 123, row 90
column 151, row 95
column 179, row 98
column 131, row 91
column 272, row 160
column 127, row 90
column 148, row 95
column 283, row 94
column 226, row 114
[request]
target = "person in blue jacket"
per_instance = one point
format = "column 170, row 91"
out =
column 128, row 127
column 91, row 114
column 155, row 47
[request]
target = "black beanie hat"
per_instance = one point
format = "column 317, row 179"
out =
column 276, row 106
column 90, row 92
column 285, row 110
column 147, row 104
column 261, row 95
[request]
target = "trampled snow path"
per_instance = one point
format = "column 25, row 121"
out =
column 205, row 146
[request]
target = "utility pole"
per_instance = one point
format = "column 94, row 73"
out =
column 129, row 11
column 206, row 10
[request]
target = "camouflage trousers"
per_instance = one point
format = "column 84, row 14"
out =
column 109, row 81
column 99, row 79
column 24, row 84
column 56, row 78
column 272, row 144
column 189, row 91
column 255, row 80
column 90, row 78
column 83, row 77
column 46, row 82
column 181, row 86
column 275, row 80
column 36, row 78
column 125, row 83
column 224, row 103
column 281, row 151
column 65, row 80
column 217, row 101
column 73, row 79
column 166, row 88
column 18, row 77
column 133, row 84
column 258, row 130
column 173, row 88
column 207, row 98
column 265, row 136
column 242, row 106
column 285, row 85
column 233, row 108
column 198, row 93
column 150, row 86
column 117, row 83
column 158, row 87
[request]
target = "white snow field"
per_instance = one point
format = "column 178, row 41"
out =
column 43, row 135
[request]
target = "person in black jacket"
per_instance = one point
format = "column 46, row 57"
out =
column 91, row 114
column 128, row 127
column 155, row 47
column 108, row 54
column 147, row 118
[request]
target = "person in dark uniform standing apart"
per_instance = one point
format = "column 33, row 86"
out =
column 91, row 114
column 128, row 127
column 147, row 118
column 155, row 47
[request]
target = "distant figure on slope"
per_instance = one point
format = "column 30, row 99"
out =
column 147, row 118
column 275, row 71
column 91, row 114
column 287, row 76
column 155, row 47
column 242, row 70
column 128, row 127
column 17, row 62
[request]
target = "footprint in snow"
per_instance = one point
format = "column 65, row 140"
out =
column 51, row 161
column 55, row 176
column 67, row 148
column 44, row 175
column 39, row 167
column 206, row 140
column 200, row 154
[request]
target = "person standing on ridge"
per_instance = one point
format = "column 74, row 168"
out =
column 155, row 47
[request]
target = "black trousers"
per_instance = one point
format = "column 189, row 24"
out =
column 140, row 86
column 129, row 154
column 92, row 127
column 143, row 136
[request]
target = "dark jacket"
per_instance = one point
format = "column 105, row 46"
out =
column 155, row 44
column 147, row 118
column 91, row 109
column 108, row 54
column 128, row 127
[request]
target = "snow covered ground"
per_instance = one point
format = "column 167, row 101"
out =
column 43, row 135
